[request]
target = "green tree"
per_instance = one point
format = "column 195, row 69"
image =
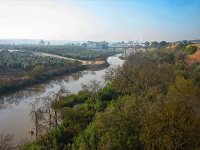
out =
column 154, row 44
column 84, row 45
column 191, row 50
column 147, row 43
column 173, row 123
column 37, row 71
column 162, row 44
column 41, row 42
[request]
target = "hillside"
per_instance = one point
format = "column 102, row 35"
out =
column 151, row 102
column 194, row 58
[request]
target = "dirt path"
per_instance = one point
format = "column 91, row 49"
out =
column 62, row 57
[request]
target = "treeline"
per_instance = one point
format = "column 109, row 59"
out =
column 151, row 102
column 27, row 61
column 153, row 44
column 22, row 68
column 71, row 51
column 95, row 44
column 19, row 69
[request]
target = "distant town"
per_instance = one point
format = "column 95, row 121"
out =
column 85, row 43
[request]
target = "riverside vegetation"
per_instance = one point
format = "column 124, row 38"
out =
column 151, row 102
column 23, row 68
column 71, row 51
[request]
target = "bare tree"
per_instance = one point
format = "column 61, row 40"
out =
column 51, row 106
column 49, row 112
column 93, row 87
column 47, row 116
column 36, row 116
column 112, row 73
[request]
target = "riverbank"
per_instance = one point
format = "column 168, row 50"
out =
column 15, row 104
column 24, row 82
column 149, row 102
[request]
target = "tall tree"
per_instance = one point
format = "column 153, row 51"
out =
column 53, row 98
column 41, row 42
column 84, row 45
column 36, row 116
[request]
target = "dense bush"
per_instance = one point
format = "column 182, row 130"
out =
column 191, row 49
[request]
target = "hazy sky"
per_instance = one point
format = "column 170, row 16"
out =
column 111, row 20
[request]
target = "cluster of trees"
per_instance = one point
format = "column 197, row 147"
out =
column 98, row 45
column 27, row 61
column 189, row 49
column 43, row 43
column 71, row 51
column 18, row 69
column 153, row 44
column 151, row 102
column 46, row 117
column 161, row 44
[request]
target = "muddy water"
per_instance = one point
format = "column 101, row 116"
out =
column 14, row 108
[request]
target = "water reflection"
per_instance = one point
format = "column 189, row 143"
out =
column 15, row 98
column 6, row 101
column 76, row 76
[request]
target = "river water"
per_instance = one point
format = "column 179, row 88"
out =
column 14, row 108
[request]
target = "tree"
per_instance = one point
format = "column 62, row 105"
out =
column 122, row 42
column 147, row 43
column 179, row 46
column 53, row 102
column 154, row 44
column 48, row 43
column 185, row 42
column 115, row 128
column 37, row 71
column 84, row 45
column 96, row 44
column 163, row 43
column 36, row 116
column 104, row 44
column 90, row 43
column 191, row 50
column 48, row 120
column 111, row 73
column 174, row 122
column 41, row 42
column 93, row 87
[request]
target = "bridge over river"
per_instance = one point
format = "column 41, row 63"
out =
column 132, row 48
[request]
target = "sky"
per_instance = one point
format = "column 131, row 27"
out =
column 97, row 20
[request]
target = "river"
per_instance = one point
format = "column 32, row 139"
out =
column 14, row 108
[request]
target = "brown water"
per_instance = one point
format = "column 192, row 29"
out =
column 14, row 108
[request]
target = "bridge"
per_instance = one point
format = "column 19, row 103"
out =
column 134, row 47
